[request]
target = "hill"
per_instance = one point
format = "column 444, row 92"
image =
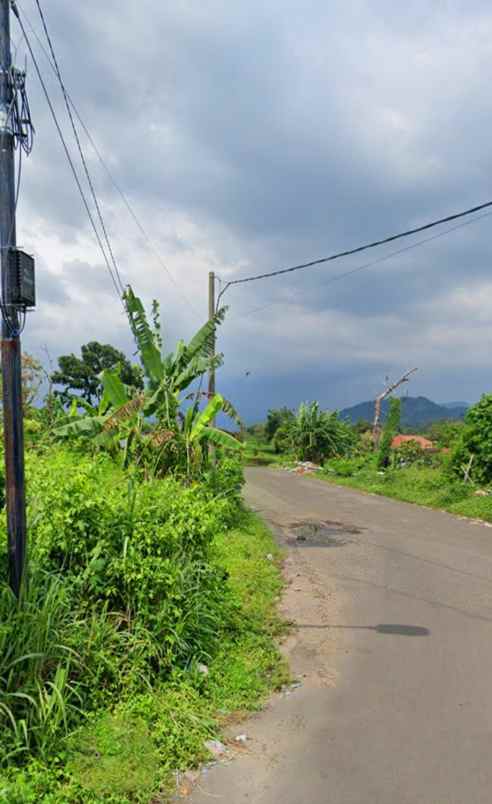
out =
column 465, row 405
column 415, row 411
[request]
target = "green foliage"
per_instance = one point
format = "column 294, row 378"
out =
column 145, row 580
column 445, row 434
column 362, row 426
column 348, row 467
column 432, row 486
column 148, row 339
column 81, row 376
column 472, row 452
column 36, row 695
column 410, row 452
column 315, row 435
column 174, row 372
column 390, row 430
column 142, row 549
column 276, row 417
column 115, row 756
column 149, row 429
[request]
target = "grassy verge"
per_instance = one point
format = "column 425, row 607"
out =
column 423, row 485
column 130, row 753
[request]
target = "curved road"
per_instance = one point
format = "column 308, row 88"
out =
column 394, row 647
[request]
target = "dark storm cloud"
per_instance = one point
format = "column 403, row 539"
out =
column 283, row 131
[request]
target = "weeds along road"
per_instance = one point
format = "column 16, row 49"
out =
column 393, row 605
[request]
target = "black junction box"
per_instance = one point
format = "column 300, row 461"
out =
column 21, row 289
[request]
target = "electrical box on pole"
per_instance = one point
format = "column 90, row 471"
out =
column 20, row 289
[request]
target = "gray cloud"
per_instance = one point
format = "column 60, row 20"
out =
column 253, row 137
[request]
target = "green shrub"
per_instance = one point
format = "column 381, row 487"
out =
column 226, row 480
column 141, row 548
column 473, row 451
column 410, row 452
column 123, row 589
column 315, row 434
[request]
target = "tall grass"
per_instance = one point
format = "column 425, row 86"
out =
column 36, row 696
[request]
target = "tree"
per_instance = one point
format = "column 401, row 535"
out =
column 472, row 455
column 445, row 433
column 390, row 430
column 81, row 377
column 276, row 417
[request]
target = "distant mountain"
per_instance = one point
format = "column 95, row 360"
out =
column 464, row 405
column 415, row 411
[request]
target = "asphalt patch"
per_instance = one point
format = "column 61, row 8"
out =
column 320, row 534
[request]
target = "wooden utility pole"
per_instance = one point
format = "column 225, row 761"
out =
column 11, row 347
column 376, row 427
column 211, row 316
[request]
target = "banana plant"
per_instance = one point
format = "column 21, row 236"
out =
column 152, row 420
column 198, row 430
column 174, row 372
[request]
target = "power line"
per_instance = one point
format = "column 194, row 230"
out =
column 64, row 144
column 367, row 265
column 358, row 249
column 79, row 145
column 151, row 245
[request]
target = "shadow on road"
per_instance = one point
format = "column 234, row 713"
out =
column 383, row 628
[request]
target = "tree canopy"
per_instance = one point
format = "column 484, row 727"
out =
column 81, row 376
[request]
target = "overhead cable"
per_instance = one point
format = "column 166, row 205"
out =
column 65, row 146
column 150, row 243
column 79, row 146
column 364, row 247
column 368, row 265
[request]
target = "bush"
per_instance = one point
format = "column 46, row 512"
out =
column 473, row 451
column 141, row 548
column 410, row 452
column 316, row 435
column 226, row 480
column 123, row 589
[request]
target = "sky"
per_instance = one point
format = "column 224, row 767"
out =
column 253, row 136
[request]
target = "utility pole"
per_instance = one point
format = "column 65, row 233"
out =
column 11, row 348
column 211, row 315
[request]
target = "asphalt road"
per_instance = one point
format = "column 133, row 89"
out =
column 393, row 605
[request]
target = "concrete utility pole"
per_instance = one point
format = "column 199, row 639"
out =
column 211, row 314
column 11, row 348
